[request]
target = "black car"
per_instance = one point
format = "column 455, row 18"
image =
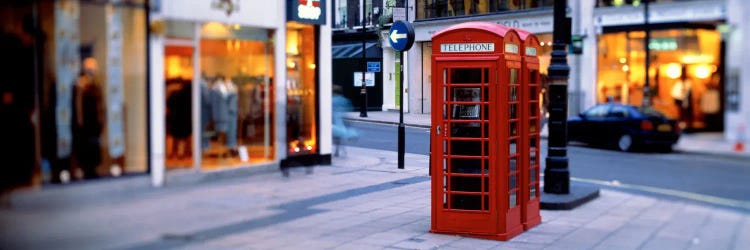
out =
column 624, row 126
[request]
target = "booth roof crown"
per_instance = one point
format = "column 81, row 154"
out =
column 498, row 29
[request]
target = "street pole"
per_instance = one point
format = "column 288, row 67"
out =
column 556, row 173
column 401, row 127
column 646, row 86
column 363, row 92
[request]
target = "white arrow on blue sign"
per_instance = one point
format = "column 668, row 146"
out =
column 401, row 35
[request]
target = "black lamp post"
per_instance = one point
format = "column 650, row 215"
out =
column 646, row 86
column 556, row 174
column 363, row 92
column 558, row 193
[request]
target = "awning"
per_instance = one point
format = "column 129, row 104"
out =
column 354, row 50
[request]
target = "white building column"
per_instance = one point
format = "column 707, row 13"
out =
column 737, row 71
column 408, row 81
column 414, row 65
column 585, row 63
column 325, row 85
column 157, row 108
column 279, row 83
column 196, row 105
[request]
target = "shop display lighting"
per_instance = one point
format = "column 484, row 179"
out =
column 673, row 70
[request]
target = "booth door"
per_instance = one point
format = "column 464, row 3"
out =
column 461, row 156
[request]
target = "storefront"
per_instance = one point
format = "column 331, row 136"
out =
column 239, row 84
column 81, row 82
column 684, row 73
column 686, row 69
column 418, row 68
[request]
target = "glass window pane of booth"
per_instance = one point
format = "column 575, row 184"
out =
column 468, row 138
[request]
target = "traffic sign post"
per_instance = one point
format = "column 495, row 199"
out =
column 401, row 38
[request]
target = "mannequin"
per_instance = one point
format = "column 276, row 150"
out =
column 88, row 119
column 179, row 114
column 206, row 110
column 225, row 111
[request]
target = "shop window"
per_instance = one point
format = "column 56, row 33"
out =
column 684, row 80
column 301, row 116
column 93, row 90
column 236, row 96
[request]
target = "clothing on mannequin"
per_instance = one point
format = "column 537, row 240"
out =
column 207, row 94
column 179, row 116
column 88, row 123
column 225, row 110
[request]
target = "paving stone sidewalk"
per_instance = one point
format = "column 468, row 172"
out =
column 362, row 201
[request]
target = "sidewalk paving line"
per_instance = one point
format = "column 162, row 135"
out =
column 670, row 192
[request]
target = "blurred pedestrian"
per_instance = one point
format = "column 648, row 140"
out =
column 341, row 131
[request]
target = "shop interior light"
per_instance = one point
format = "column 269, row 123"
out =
column 292, row 42
column 623, row 60
column 625, row 68
column 215, row 30
column 673, row 70
column 697, row 58
column 703, row 71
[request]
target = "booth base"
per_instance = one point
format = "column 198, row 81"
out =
column 500, row 236
column 532, row 222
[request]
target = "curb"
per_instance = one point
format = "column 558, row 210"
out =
column 732, row 156
column 385, row 122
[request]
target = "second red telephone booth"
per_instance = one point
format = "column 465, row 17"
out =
column 530, row 129
column 476, row 134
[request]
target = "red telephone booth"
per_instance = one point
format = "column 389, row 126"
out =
column 476, row 138
column 530, row 129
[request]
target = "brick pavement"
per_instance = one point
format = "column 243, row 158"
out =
column 362, row 201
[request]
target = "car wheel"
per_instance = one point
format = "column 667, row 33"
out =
column 625, row 143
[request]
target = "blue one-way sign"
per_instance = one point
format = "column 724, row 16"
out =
column 401, row 35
